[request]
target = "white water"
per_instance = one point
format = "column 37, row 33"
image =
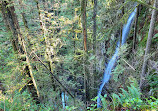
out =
column 125, row 32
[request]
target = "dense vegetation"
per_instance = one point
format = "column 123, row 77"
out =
column 53, row 55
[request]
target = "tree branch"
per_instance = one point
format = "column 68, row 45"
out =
column 53, row 75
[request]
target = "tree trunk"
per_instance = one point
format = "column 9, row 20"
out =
column 135, row 29
column 121, row 25
column 25, row 23
column 12, row 25
column 84, row 22
column 94, row 26
column 147, row 50
column 39, row 14
column 84, row 31
column 94, row 48
column 10, row 21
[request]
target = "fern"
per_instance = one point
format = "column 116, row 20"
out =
column 104, row 102
column 125, row 93
column 129, row 99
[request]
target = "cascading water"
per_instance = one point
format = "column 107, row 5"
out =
column 125, row 32
column 64, row 99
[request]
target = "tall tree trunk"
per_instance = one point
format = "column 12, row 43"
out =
column 135, row 29
column 12, row 25
column 84, row 31
column 84, row 22
column 94, row 46
column 94, row 26
column 147, row 50
column 49, row 49
column 121, row 25
column 39, row 14
column 25, row 22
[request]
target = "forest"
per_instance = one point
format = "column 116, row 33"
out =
column 78, row 55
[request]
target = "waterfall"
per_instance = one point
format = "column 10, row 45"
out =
column 107, row 72
column 64, row 98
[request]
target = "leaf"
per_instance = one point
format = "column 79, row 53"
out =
column 78, row 31
column 125, row 93
column 92, row 57
column 104, row 102
column 68, row 21
column 76, row 9
column 62, row 18
column 115, row 96
column 156, row 35
column 94, row 99
column 76, row 18
column 50, row 14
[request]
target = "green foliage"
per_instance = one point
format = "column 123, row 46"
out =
column 92, row 107
column 67, row 55
column 104, row 102
column 117, row 71
column 152, row 102
column 22, row 102
column 152, row 80
column 18, row 103
column 130, row 99
column 72, row 108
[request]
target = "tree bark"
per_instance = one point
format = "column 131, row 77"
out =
column 135, row 29
column 84, row 22
column 121, row 25
column 94, row 26
column 147, row 50
column 84, row 31
column 94, row 47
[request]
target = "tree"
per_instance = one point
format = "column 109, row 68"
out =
column 19, row 47
column 84, row 22
column 94, row 47
column 148, row 45
column 84, row 31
